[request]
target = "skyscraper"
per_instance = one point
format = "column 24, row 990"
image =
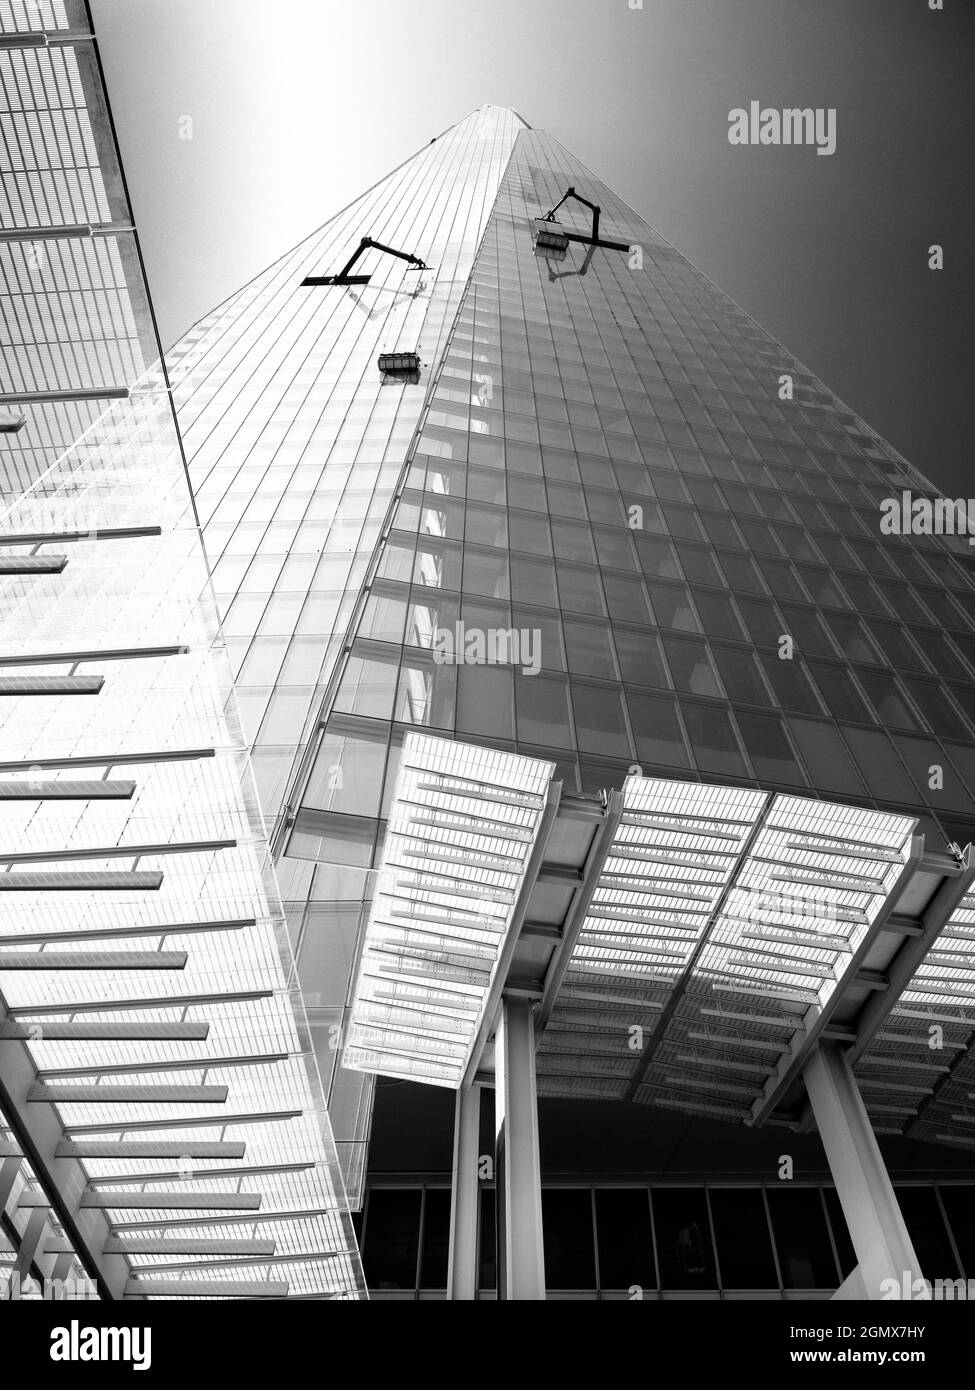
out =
column 610, row 757
column 601, row 532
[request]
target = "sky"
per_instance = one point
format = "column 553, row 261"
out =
column 297, row 106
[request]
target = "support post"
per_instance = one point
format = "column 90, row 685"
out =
column 877, row 1228
column 464, row 1193
column 521, row 1258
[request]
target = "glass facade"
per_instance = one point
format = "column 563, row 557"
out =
column 728, row 1240
column 701, row 560
column 147, row 981
column 75, row 315
column 295, row 443
column 606, row 471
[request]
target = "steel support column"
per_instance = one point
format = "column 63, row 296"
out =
column 464, row 1193
column 880, row 1237
column 521, row 1258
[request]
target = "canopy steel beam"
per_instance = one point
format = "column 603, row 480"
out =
column 92, row 960
column 94, row 790
column 41, row 1092
column 206, row 1288
column 150, row 1148
column 176, row 1245
column 177, row 1031
column 37, row 1132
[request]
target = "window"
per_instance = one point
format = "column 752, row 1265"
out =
column 925, row 1224
column 600, row 724
column 802, row 1239
column 808, row 632
column 717, row 613
column 657, row 731
column 713, row 740
column 839, row 691
column 741, row 1234
column 579, row 590
column 699, row 564
column 923, row 757
column 542, row 707
column 684, row 1246
column 741, row 574
column 436, row 1238
column 887, row 698
column 485, row 574
column 487, row 1263
column 626, row 599
column 624, row 1238
column 672, row 607
column 657, row 557
column 769, row 749
column 533, row 581
column 959, row 1204
column 589, row 649
column 573, row 541
column 640, row 659
column 529, row 533
column 690, row 665
column 484, row 700
column 931, row 699
column 740, row 673
column 568, row 1238
column 765, row 627
column 897, row 647
column 392, row 1237
column 822, row 749
column 879, row 765
column 852, row 639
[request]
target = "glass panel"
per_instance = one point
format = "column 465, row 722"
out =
column 484, row 701
column 802, row 1239
column 718, row 615
column 580, row 591
column 624, row 1238
column 626, row 599
column 600, row 725
column 542, row 707
column 886, row 695
column 392, row 1238
column 841, row 1235
column 684, row 1249
column 764, row 625
column 742, row 678
column 822, row 749
column 742, row 1237
column 672, row 607
column 769, row 749
column 690, row 666
column 879, row 765
column 959, row 1203
column 589, row 649
column 487, row 1277
column 839, row 691
column 436, row 1238
column 712, row 740
column 568, row 1238
column 926, row 1227
column 348, row 770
